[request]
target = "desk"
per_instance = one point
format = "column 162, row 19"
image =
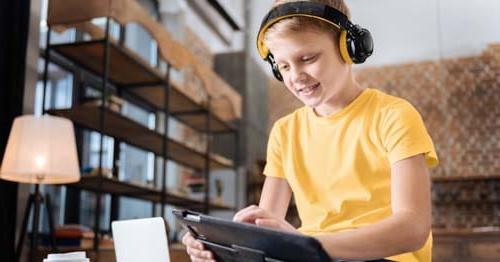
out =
column 177, row 254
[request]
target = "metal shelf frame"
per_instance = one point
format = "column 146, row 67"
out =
column 101, row 185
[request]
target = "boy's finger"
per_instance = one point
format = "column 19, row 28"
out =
column 191, row 242
column 186, row 238
column 267, row 222
column 251, row 215
column 207, row 254
column 241, row 213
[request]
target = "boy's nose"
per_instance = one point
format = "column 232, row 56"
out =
column 298, row 76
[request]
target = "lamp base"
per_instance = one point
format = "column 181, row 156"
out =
column 34, row 201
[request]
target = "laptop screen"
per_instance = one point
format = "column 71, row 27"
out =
column 140, row 240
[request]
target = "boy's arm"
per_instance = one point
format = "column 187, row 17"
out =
column 406, row 230
column 275, row 196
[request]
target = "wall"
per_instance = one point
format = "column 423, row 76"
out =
column 201, row 18
column 255, row 12
column 412, row 30
column 427, row 29
column 251, row 82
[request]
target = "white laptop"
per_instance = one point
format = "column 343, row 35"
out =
column 140, row 240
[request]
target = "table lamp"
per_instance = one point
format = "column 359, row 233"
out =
column 40, row 150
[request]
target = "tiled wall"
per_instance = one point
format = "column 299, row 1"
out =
column 466, row 203
column 459, row 100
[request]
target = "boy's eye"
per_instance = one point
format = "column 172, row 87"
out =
column 282, row 67
column 308, row 58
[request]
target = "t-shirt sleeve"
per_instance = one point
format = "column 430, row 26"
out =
column 404, row 134
column 274, row 158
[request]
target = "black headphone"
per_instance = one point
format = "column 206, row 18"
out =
column 356, row 43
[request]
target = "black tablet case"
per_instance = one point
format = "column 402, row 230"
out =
column 232, row 241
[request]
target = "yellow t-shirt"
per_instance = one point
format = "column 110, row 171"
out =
column 339, row 167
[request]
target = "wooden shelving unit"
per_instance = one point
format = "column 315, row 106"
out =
column 125, row 68
column 121, row 71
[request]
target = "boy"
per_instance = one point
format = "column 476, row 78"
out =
column 355, row 159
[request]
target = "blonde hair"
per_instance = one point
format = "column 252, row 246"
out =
column 301, row 23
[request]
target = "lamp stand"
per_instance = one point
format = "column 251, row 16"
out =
column 35, row 199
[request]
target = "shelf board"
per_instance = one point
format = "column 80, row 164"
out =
column 125, row 67
column 182, row 108
column 198, row 122
column 464, row 178
column 466, row 202
column 114, row 186
column 155, row 95
column 127, row 70
column 133, row 133
column 480, row 231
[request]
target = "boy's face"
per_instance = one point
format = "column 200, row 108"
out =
column 311, row 66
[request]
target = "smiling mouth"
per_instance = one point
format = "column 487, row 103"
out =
column 308, row 90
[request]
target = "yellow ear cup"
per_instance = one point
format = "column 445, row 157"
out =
column 343, row 47
column 261, row 47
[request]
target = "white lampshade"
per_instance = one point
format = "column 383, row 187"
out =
column 41, row 150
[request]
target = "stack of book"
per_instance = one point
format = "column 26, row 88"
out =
column 72, row 235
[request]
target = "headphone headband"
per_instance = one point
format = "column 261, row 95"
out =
column 301, row 8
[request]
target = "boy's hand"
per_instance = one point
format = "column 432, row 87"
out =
column 261, row 217
column 195, row 249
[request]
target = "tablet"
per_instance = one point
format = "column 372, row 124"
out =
column 233, row 241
